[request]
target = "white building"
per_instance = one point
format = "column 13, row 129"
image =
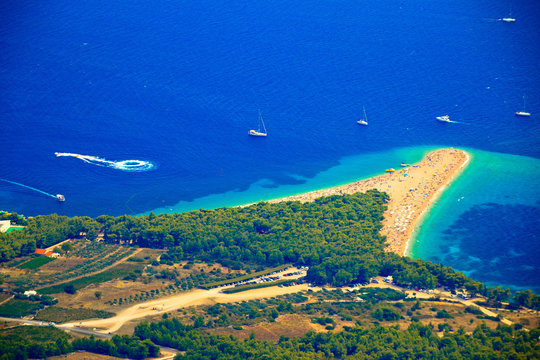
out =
column 5, row 225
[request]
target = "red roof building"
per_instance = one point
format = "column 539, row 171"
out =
column 46, row 253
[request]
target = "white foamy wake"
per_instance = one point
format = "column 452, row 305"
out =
column 124, row 165
column 29, row 187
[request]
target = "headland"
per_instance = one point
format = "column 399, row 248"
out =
column 412, row 190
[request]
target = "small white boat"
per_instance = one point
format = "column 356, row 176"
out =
column 259, row 132
column 508, row 18
column 444, row 118
column 364, row 120
column 523, row 113
column 60, row 197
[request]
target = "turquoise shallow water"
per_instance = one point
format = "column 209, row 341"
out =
column 486, row 223
column 349, row 169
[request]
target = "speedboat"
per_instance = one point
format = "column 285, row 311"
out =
column 60, row 197
column 444, row 118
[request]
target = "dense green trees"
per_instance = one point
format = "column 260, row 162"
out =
column 42, row 231
column 23, row 342
column 336, row 236
column 417, row 342
column 15, row 218
column 36, row 342
column 385, row 313
column 120, row 346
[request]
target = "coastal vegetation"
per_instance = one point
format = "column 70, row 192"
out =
column 16, row 219
column 35, row 342
column 416, row 342
column 336, row 236
column 120, row 346
column 43, row 231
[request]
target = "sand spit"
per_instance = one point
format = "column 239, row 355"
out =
column 412, row 190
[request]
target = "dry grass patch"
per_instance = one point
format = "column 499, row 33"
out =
column 290, row 325
column 530, row 319
column 83, row 355
column 147, row 255
column 8, row 324
column 60, row 265
column 197, row 268
column 426, row 315
column 59, row 314
column 109, row 290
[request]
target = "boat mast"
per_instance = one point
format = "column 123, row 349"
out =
column 261, row 122
column 365, row 115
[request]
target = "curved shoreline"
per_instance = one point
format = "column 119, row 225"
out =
column 434, row 198
column 412, row 189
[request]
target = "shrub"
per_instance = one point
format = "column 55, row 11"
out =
column 473, row 310
column 386, row 314
column 70, row 289
column 443, row 314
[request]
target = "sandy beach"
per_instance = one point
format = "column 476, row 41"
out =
column 412, row 190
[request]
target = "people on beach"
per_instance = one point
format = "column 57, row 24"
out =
column 412, row 190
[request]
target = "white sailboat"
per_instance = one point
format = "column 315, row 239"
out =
column 523, row 113
column 259, row 132
column 508, row 18
column 364, row 120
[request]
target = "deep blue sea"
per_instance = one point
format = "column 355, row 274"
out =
column 176, row 85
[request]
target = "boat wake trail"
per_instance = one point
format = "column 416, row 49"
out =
column 29, row 187
column 124, row 165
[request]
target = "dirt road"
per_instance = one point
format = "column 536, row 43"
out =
column 191, row 298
